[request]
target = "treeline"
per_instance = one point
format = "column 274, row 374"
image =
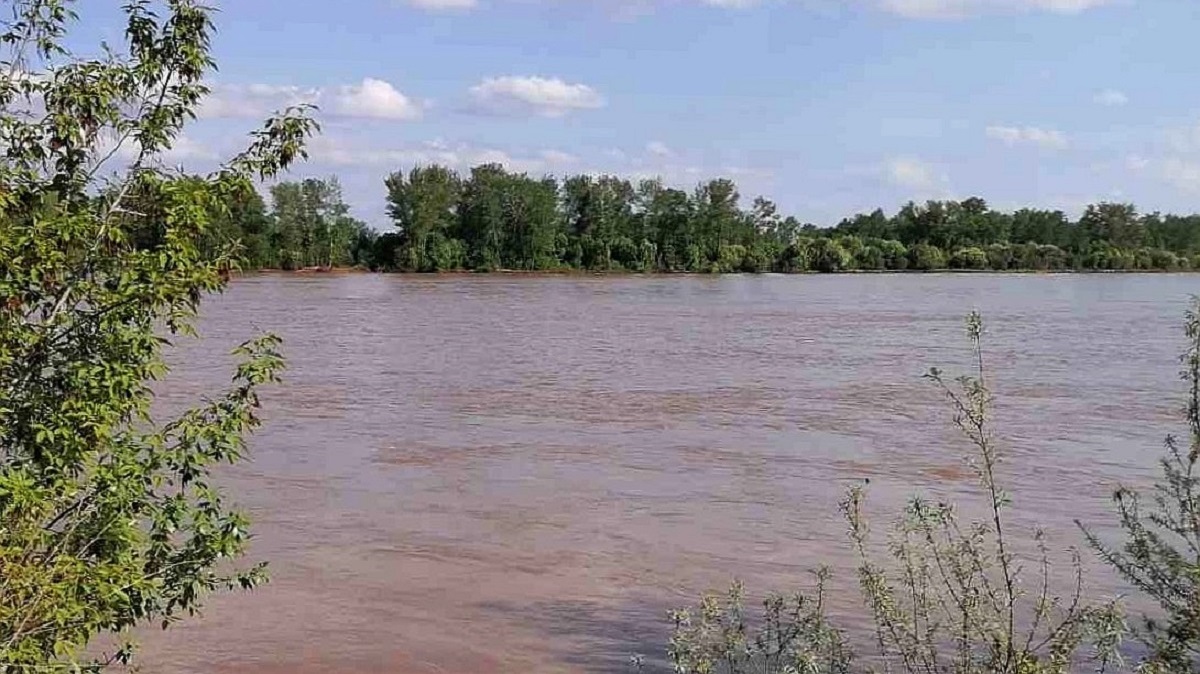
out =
column 308, row 225
column 494, row 219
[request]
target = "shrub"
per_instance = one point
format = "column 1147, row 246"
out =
column 869, row 257
column 926, row 257
column 797, row 257
column 826, row 255
column 729, row 258
column 625, row 253
column 760, row 256
column 969, row 258
column 794, row 636
column 1161, row 552
column 999, row 256
column 948, row 597
column 445, row 254
column 1163, row 259
column 895, row 255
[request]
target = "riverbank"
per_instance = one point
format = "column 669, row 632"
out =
column 628, row 273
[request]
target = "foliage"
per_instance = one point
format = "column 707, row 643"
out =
column 953, row 597
column 1161, row 552
column 311, row 226
column 948, row 596
column 794, row 637
column 969, row 258
column 107, row 518
column 494, row 218
column 926, row 257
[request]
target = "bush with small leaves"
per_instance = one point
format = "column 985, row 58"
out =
column 948, row 596
column 1161, row 552
column 793, row 636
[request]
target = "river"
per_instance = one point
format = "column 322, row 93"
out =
column 469, row 474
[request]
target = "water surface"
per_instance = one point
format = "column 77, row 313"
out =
column 521, row 474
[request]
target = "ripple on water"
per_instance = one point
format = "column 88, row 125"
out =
column 492, row 474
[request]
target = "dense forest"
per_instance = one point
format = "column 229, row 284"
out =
column 497, row 219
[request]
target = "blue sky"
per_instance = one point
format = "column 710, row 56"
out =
column 826, row 106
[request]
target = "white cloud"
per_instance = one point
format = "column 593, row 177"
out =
column 938, row 9
column 1136, row 163
column 659, row 149
column 1013, row 135
column 340, row 152
column 254, row 100
column 1063, row 6
column 1184, row 140
column 918, row 9
column 1184, row 175
column 374, row 99
column 745, row 172
column 557, row 157
column 332, row 151
column 624, row 8
column 184, row 148
column 911, row 8
column 546, row 97
column 1111, row 98
column 444, row 5
column 913, row 174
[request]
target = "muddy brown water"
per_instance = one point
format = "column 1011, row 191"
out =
column 522, row 474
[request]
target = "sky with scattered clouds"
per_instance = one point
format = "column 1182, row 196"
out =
column 826, row 106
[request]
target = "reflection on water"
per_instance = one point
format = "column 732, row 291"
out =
column 521, row 474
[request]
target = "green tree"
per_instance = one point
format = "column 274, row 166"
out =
column 1117, row 224
column 601, row 207
column 500, row 219
column 109, row 519
column 290, row 235
column 244, row 222
column 481, row 213
column 1035, row 226
column 313, row 227
column 424, row 207
column 718, row 221
column 666, row 216
column 871, row 225
column 531, row 222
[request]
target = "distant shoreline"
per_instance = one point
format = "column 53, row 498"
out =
column 348, row 271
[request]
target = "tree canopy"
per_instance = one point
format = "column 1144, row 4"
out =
column 492, row 218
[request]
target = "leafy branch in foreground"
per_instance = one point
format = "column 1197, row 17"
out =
column 107, row 518
column 948, row 596
column 794, row 636
column 1161, row 552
